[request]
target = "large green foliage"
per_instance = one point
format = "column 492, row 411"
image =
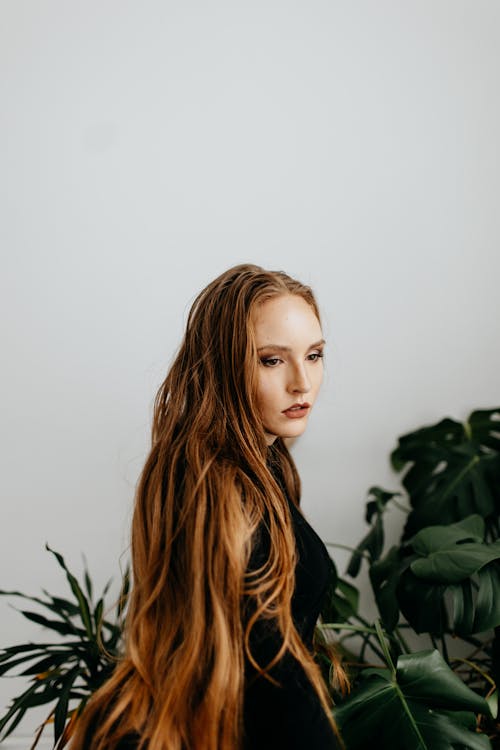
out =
column 442, row 579
column 452, row 471
column 66, row 672
column 418, row 705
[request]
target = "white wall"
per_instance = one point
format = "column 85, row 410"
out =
column 147, row 146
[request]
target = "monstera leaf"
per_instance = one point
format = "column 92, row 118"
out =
column 452, row 580
column 373, row 543
column 341, row 600
column 445, row 578
column 453, row 470
column 384, row 577
column 418, row 705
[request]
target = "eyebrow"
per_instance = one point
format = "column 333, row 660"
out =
column 279, row 348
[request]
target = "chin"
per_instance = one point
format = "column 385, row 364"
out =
column 291, row 434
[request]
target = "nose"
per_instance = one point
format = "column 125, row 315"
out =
column 299, row 382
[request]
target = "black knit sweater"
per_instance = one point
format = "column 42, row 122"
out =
column 289, row 716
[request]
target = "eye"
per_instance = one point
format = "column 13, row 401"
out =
column 315, row 356
column 270, row 361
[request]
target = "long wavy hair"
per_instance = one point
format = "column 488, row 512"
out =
column 204, row 490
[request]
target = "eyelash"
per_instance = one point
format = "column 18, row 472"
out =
column 267, row 360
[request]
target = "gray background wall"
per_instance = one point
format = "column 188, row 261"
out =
column 145, row 147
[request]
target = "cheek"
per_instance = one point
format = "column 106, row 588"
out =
column 262, row 390
column 265, row 390
column 318, row 378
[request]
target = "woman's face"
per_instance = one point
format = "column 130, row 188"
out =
column 290, row 370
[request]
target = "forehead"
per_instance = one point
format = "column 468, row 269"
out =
column 287, row 320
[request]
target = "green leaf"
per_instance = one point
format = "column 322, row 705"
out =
column 384, row 578
column 25, row 596
column 373, row 542
column 88, row 583
column 63, row 606
column 434, row 538
column 55, row 668
column 422, row 604
column 58, row 625
column 421, row 708
column 462, row 607
column 98, row 614
column 378, row 499
column 485, row 428
column 349, row 594
column 61, row 712
column 452, row 470
column 9, row 651
column 8, row 665
column 426, row 674
column 341, row 602
column 487, row 609
column 50, row 663
column 427, row 441
column 450, row 581
column 17, row 704
column 492, row 701
column 456, row 563
column 16, row 718
column 77, row 591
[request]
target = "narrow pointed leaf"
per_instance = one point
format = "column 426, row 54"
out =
column 8, row 665
column 61, row 712
column 88, row 584
column 17, row 704
column 77, row 591
column 58, row 625
column 49, row 663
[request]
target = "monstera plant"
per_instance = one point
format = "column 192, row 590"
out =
column 441, row 582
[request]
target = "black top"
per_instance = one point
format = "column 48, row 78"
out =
column 290, row 716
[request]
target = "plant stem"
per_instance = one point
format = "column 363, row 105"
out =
column 367, row 641
column 401, row 507
column 385, row 648
column 449, row 489
column 365, row 632
column 402, row 641
column 390, row 664
column 474, row 666
column 347, row 626
column 335, row 545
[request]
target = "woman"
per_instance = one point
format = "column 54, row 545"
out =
column 228, row 577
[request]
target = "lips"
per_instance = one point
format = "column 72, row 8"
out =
column 296, row 410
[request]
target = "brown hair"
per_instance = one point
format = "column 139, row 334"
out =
column 205, row 488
